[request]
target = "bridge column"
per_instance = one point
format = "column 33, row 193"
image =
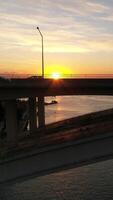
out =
column 41, row 111
column 11, row 122
column 32, row 114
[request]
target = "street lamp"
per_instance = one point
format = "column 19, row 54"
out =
column 42, row 52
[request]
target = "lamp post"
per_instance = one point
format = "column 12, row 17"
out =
column 42, row 52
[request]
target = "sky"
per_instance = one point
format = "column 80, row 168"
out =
column 78, row 36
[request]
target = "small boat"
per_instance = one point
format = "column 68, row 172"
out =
column 50, row 103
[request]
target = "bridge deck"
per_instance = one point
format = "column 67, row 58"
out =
column 17, row 88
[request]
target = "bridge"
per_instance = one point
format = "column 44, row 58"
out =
column 44, row 159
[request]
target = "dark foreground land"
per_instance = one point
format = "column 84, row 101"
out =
column 64, row 131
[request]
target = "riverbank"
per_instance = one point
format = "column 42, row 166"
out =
column 38, row 161
column 64, row 131
column 66, row 144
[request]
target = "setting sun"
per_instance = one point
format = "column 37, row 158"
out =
column 56, row 75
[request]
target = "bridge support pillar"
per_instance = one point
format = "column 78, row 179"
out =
column 32, row 114
column 11, row 122
column 41, row 111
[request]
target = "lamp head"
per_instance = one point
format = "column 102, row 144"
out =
column 38, row 28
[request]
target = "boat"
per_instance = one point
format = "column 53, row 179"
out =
column 50, row 103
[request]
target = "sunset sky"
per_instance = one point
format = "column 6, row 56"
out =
column 78, row 36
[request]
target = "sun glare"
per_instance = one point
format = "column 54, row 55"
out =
column 56, row 75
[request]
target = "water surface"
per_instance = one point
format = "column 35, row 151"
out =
column 71, row 106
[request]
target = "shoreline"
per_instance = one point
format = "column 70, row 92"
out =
column 60, row 146
column 72, row 129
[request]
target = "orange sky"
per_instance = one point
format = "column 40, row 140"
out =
column 78, row 36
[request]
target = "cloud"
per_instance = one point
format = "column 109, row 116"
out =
column 68, row 26
column 72, row 29
column 108, row 18
column 96, row 7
